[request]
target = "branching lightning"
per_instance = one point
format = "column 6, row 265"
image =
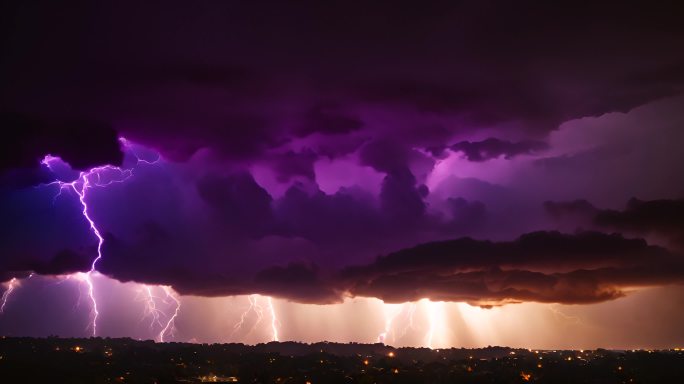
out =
column 146, row 295
column 258, row 310
column 170, row 324
column 390, row 312
column 80, row 186
column 253, row 307
column 104, row 176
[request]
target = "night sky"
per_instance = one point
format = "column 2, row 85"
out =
column 429, row 174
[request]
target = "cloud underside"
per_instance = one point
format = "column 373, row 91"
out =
column 547, row 267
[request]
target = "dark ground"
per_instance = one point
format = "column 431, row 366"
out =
column 98, row 360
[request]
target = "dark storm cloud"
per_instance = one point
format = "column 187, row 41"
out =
column 222, row 88
column 660, row 217
column 541, row 266
column 83, row 144
column 296, row 281
column 326, row 119
column 663, row 216
column 493, row 148
column 242, row 81
column 558, row 209
column 241, row 203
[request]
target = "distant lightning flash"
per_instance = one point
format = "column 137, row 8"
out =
column 571, row 319
column 436, row 316
column 10, row 286
column 390, row 311
column 151, row 309
column 395, row 315
column 274, row 319
column 152, row 303
column 170, row 324
column 253, row 307
column 258, row 310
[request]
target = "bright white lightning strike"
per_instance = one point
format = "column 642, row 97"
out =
column 150, row 305
column 274, row 320
column 10, row 286
column 80, row 186
column 104, row 176
column 436, row 316
column 390, row 311
column 253, row 307
column 170, row 324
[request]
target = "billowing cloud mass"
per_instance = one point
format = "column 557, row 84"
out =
column 662, row 218
column 540, row 266
column 316, row 152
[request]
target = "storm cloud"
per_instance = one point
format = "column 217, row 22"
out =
column 304, row 150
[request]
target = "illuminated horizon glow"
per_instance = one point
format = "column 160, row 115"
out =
column 390, row 312
column 150, row 305
column 435, row 312
column 437, row 320
column 203, row 319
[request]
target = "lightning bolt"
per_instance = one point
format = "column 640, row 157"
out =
column 104, row 176
column 253, row 307
column 85, row 181
column 258, row 310
column 390, row 311
column 170, row 324
column 435, row 312
column 146, row 296
column 10, row 286
column 409, row 314
column 274, row 319
column 571, row 319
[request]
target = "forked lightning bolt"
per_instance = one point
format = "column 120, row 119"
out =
column 146, row 295
column 170, row 324
column 80, row 186
column 104, row 176
column 258, row 310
